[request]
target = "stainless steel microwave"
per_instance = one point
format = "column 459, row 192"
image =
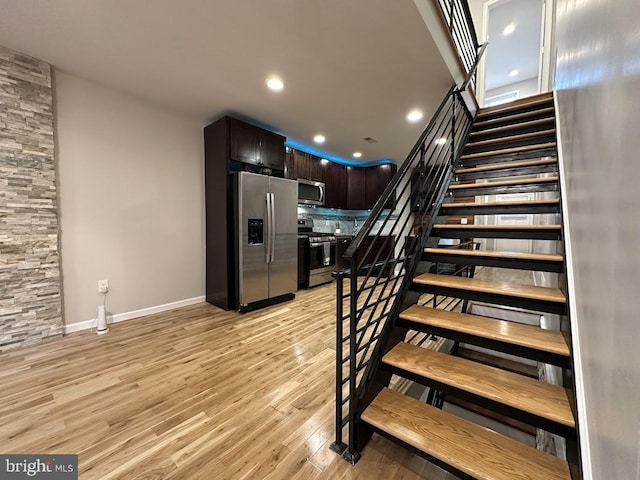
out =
column 310, row 193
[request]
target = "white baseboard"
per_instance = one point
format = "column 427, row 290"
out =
column 121, row 317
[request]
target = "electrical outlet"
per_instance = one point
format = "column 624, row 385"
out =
column 103, row 286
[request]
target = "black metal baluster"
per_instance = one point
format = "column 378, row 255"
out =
column 338, row 445
column 350, row 454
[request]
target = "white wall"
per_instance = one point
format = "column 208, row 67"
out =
column 526, row 88
column 598, row 82
column 131, row 191
column 476, row 7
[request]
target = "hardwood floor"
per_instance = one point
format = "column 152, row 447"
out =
column 195, row 393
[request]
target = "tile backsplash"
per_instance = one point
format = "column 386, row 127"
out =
column 332, row 220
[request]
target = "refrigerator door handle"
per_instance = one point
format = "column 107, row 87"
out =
column 268, row 242
column 273, row 226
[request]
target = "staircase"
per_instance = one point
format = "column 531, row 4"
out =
column 508, row 148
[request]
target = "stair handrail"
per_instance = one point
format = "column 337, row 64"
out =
column 395, row 181
column 386, row 251
column 378, row 281
column 456, row 15
column 471, row 74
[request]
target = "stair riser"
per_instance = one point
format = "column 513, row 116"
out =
column 515, row 264
column 497, row 210
column 488, row 134
column 501, row 299
column 507, row 410
column 509, row 143
column 490, row 115
column 520, row 351
column 508, row 172
column 482, row 233
column 531, row 188
column 475, row 162
column 481, row 125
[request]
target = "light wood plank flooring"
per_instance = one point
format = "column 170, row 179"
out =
column 195, row 393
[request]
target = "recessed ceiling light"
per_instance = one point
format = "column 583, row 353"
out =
column 509, row 29
column 441, row 141
column 414, row 115
column 319, row 138
column 357, row 154
column 275, row 83
column 513, row 73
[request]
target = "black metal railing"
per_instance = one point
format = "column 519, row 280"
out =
column 457, row 17
column 384, row 255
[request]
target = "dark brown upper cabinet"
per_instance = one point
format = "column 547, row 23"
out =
column 352, row 188
column 305, row 166
column 255, row 145
column 289, row 164
column 356, row 188
column 314, row 169
column 378, row 177
column 334, row 176
column 228, row 141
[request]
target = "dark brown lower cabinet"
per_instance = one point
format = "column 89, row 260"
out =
column 381, row 249
column 342, row 243
column 303, row 263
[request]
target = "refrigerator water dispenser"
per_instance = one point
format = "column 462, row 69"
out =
column 255, row 229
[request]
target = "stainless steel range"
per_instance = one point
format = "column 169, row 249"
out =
column 321, row 250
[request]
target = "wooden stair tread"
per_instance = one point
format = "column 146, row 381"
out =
column 506, row 151
column 531, row 292
column 511, row 118
column 512, row 138
column 479, row 452
column 500, row 204
column 514, row 126
column 503, row 183
column 551, row 341
column 516, row 391
column 507, row 165
column 490, row 254
column 497, row 228
column 510, row 107
column 519, row 102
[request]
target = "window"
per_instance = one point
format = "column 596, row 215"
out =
column 502, row 98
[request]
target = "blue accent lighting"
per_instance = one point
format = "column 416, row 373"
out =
column 333, row 158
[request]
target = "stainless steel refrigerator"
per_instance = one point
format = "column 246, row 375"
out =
column 267, row 239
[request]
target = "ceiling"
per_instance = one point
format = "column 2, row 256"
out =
column 520, row 50
column 352, row 69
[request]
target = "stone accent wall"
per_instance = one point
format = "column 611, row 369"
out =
column 30, row 302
